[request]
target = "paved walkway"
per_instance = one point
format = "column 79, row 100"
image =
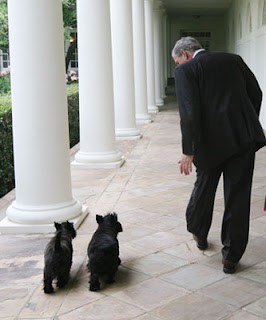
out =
column 163, row 275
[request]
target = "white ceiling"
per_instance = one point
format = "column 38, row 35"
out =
column 196, row 7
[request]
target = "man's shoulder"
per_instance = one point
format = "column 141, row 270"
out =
column 216, row 54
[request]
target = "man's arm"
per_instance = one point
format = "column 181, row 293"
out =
column 253, row 88
column 188, row 98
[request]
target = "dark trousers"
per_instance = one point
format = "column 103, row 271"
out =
column 237, row 175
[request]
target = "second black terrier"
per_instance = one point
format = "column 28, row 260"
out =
column 103, row 250
column 58, row 256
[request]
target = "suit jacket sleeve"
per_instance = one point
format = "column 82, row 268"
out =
column 253, row 88
column 188, row 97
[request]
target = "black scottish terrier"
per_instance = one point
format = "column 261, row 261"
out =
column 103, row 250
column 58, row 256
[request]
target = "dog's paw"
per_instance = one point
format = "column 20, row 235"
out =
column 48, row 289
column 94, row 286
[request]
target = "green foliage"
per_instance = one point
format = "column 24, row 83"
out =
column 4, row 83
column 6, row 142
column 73, row 113
column 3, row 26
column 6, row 153
column 69, row 17
column 5, row 103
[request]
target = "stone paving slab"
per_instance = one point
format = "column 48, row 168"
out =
column 163, row 275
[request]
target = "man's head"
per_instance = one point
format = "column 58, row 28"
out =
column 184, row 49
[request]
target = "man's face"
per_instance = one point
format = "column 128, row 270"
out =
column 185, row 56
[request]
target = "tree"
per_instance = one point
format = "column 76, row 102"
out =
column 3, row 26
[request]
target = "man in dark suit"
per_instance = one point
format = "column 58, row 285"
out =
column 219, row 101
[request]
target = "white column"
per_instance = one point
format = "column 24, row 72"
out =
column 140, row 73
column 96, row 99
column 158, row 53
column 152, row 108
column 40, row 120
column 165, row 45
column 163, row 53
column 123, row 70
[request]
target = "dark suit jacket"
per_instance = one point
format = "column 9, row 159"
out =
column 219, row 101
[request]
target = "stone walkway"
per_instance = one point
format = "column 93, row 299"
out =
column 163, row 275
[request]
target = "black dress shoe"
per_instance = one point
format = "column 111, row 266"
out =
column 202, row 244
column 229, row 266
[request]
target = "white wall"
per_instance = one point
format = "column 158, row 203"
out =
column 252, row 44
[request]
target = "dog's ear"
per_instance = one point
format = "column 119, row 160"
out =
column 119, row 227
column 57, row 226
column 69, row 225
column 99, row 218
column 113, row 217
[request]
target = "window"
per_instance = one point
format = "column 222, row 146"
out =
column 204, row 37
column 4, row 60
column 74, row 59
column 264, row 13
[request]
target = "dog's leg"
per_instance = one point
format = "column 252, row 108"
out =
column 94, row 282
column 47, row 281
column 62, row 280
column 111, row 275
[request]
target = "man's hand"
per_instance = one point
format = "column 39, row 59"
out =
column 186, row 164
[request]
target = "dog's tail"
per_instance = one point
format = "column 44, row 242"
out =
column 57, row 245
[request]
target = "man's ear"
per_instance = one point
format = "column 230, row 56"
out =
column 183, row 52
column 99, row 219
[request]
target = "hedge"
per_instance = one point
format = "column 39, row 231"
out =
column 7, row 182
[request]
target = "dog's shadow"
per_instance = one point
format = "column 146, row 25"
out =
column 123, row 278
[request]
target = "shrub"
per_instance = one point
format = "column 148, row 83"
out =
column 4, row 82
column 6, row 143
column 6, row 152
column 73, row 113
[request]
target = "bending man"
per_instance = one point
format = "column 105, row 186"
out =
column 219, row 101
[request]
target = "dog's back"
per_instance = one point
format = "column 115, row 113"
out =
column 58, row 256
column 58, row 253
column 103, row 250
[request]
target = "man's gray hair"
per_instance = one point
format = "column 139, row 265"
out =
column 185, row 43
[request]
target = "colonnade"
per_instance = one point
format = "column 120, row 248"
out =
column 121, row 81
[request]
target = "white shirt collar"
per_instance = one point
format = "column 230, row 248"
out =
column 197, row 51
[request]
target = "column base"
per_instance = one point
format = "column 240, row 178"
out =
column 143, row 118
column 159, row 102
column 43, row 214
column 143, row 121
column 9, row 227
column 103, row 160
column 153, row 109
column 128, row 134
column 102, row 165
